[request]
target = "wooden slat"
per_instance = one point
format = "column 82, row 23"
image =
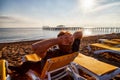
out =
column 94, row 65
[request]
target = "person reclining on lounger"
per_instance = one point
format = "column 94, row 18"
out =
column 66, row 42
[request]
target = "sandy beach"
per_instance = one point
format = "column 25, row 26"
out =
column 15, row 51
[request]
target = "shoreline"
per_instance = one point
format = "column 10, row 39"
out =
column 2, row 44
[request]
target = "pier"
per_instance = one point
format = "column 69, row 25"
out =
column 61, row 27
column 93, row 29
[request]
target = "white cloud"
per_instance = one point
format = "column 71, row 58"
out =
column 103, row 7
column 19, row 21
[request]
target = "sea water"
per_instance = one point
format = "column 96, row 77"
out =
column 25, row 34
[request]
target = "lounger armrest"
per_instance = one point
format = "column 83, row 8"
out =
column 31, row 57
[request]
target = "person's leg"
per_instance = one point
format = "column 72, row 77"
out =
column 22, row 69
column 38, row 66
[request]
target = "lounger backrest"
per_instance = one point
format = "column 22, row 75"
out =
column 2, row 70
column 57, row 62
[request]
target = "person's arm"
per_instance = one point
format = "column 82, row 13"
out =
column 76, row 44
column 41, row 47
column 78, row 35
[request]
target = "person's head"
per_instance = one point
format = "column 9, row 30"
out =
column 61, row 33
column 78, row 34
column 68, row 41
column 67, row 37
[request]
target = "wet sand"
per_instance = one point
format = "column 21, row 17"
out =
column 15, row 51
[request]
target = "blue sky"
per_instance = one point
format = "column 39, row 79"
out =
column 37, row 13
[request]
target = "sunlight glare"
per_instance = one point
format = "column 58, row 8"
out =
column 87, row 4
column 87, row 32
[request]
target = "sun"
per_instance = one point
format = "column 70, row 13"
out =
column 87, row 5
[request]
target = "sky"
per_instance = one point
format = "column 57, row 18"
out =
column 38, row 13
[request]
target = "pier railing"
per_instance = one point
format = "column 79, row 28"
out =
column 93, row 29
column 62, row 28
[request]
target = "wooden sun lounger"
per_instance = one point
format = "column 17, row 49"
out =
column 112, row 42
column 95, row 68
column 3, row 70
column 55, row 64
column 118, row 40
column 104, row 48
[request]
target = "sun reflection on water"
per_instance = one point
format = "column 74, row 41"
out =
column 87, row 32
